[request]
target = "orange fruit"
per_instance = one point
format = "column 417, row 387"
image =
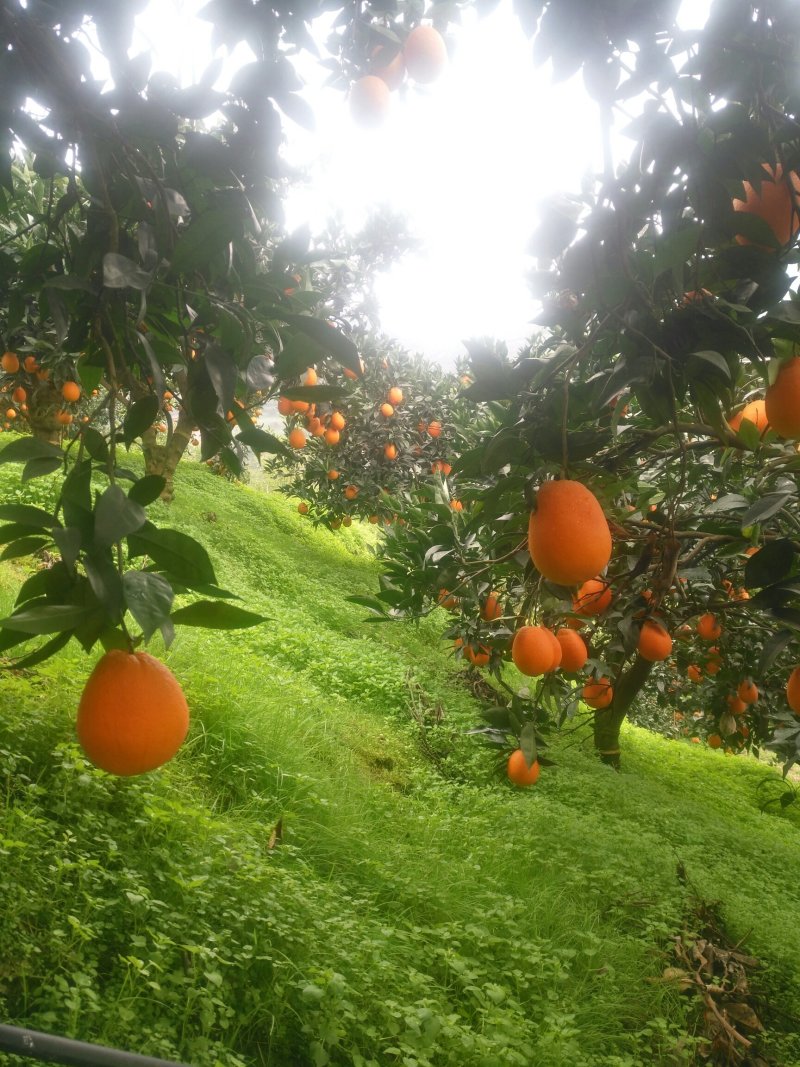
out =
column 568, row 536
column 773, row 203
column 518, row 770
column 655, row 643
column 783, row 400
column 736, row 705
column 793, row 690
column 755, row 412
column 450, row 603
column 373, row 519
column 708, row 628
column 713, row 666
column 132, row 715
column 434, row 428
column 316, row 428
column 598, row 693
column 456, row 505
column 593, row 597
column 332, row 475
column 351, row 492
column 478, row 657
column 747, row 691
column 285, row 405
column 347, row 520
column 532, row 650
column 19, row 396
column 395, row 396
column 338, row 421
column 310, row 377
column 693, row 673
column 300, row 406
column 425, row 54
column 331, row 436
column 303, row 508
column 714, row 741
column 71, row 392
column 9, row 361
column 390, row 67
column 491, row 608
column 11, row 414
column 297, row 438
column 387, row 411
column 574, row 653
column 64, row 418
column 30, row 364
column 370, row 99
column 390, row 451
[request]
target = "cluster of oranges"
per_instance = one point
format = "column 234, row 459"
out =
column 423, row 58
column 21, row 378
column 327, row 425
column 780, row 408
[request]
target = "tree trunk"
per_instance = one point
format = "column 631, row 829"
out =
column 164, row 459
column 607, row 721
column 44, row 403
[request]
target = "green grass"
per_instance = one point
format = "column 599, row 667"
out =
column 417, row 910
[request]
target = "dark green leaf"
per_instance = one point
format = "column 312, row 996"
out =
column 23, row 546
column 206, row 235
column 527, row 742
column 27, row 448
column 174, row 552
column 47, row 619
column 765, row 508
column 216, row 615
column 39, row 467
column 48, row 649
column 769, row 564
column 28, row 515
column 147, row 489
column 149, row 599
column 140, row 417
column 773, row 647
column 96, row 444
column 314, row 393
column 261, row 441
column 119, row 272
column 69, row 540
column 116, row 516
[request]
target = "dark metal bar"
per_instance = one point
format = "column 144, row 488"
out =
column 49, row 1048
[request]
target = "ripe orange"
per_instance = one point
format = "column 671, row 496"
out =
column 774, row 204
column 132, row 715
column 395, row 396
column 736, row 705
column 598, row 693
column 303, row 508
column 593, row 597
column 783, row 400
column 300, row 406
column 755, row 412
column 297, row 438
column 693, row 673
column 30, row 364
column 64, row 418
column 568, row 536
column 392, row 68
column 655, row 643
column 387, row 410
column 310, row 377
column 373, row 519
column 793, row 690
column 450, row 603
column 491, row 608
column 338, row 421
column 434, row 428
column 316, row 428
column 708, row 628
column 714, row 741
column 71, row 392
column 331, row 436
column 351, row 492
column 456, row 505
column 19, row 396
column 9, row 362
column 11, row 414
column 332, row 475
column 284, row 405
column 390, row 451
column 370, row 100
column 518, row 770
column 425, row 54
column 713, row 666
column 747, row 691
column 532, row 650
column 573, row 649
column 478, row 657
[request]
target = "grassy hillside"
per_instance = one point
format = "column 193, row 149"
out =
column 415, row 909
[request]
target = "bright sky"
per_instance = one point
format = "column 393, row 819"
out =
column 468, row 160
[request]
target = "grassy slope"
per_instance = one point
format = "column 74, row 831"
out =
column 417, row 910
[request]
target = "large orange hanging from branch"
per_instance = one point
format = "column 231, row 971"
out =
column 568, row 536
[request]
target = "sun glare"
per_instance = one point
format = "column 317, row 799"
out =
column 468, row 161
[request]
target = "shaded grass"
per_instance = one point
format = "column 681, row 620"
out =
column 413, row 912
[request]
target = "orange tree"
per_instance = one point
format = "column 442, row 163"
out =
column 634, row 475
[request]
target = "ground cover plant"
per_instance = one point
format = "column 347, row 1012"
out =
column 332, row 871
